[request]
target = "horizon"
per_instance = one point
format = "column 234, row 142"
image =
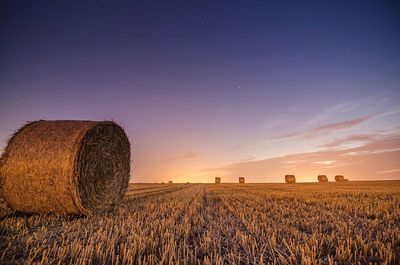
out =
column 276, row 182
column 215, row 89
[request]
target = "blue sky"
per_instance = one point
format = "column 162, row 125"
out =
column 202, row 88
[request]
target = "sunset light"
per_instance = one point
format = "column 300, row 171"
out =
column 201, row 92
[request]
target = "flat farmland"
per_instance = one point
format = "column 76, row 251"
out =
column 310, row 223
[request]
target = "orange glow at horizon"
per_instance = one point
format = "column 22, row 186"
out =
column 376, row 158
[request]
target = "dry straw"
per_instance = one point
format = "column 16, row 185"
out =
column 73, row 167
column 217, row 180
column 290, row 179
column 4, row 209
column 241, row 180
column 322, row 178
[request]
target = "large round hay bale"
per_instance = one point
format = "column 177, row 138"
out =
column 290, row 179
column 4, row 209
column 73, row 167
column 322, row 178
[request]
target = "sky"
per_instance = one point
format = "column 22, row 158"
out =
column 209, row 89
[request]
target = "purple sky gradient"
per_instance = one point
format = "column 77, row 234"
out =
column 202, row 88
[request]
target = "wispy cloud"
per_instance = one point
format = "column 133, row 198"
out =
column 249, row 158
column 346, row 107
column 377, row 155
column 335, row 126
column 350, row 139
column 325, row 162
column 387, row 113
column 324, row 129
column 187, row 155
column 332, row 127
column 388, row 171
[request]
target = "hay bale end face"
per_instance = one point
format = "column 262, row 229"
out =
column 322, row 178
column 290, row 179
column 71, row 167
column 217, row 180
column 241, row 180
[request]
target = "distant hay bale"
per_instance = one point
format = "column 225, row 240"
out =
column 170, row 182
column 241, row 180
column 290, row 179
column 217, row 180
column 322, row 178
column 71, row 167
column 340, row 178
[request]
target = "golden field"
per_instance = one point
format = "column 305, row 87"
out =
column 327, row 223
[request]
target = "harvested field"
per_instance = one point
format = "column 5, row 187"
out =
column 346, row 223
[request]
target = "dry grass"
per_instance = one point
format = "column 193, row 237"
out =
column 340, row 222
